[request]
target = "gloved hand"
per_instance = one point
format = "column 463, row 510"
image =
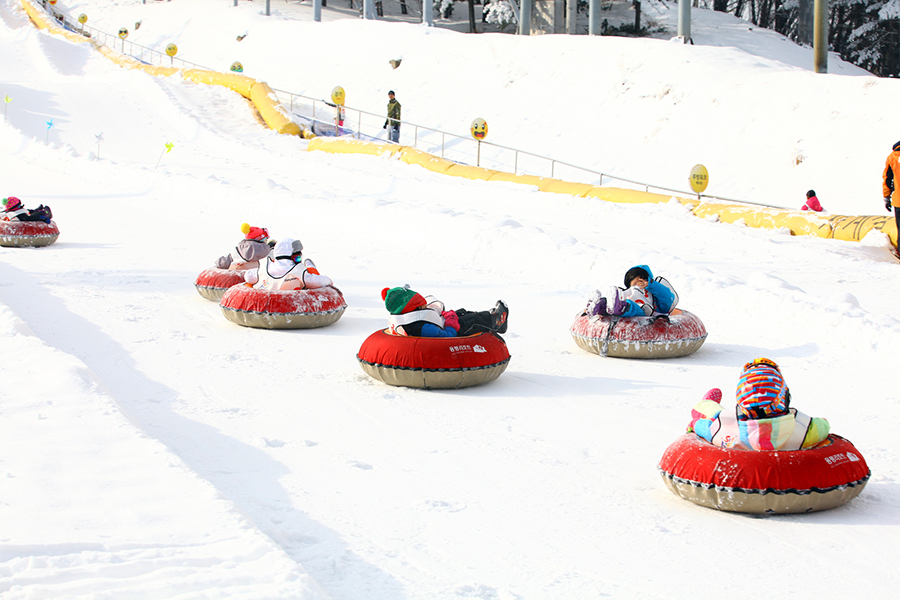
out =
column 450, row 319
column 384, row 126
column 887, row 203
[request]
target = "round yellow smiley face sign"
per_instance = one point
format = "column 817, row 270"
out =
column 171, row 49
column 699, row 178
column 123, row 33
column 82, row 18
column 337, row 95
column 479, row 129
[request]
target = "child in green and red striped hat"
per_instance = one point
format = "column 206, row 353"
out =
column 415, row 315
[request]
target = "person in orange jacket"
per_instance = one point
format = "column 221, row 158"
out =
column 888, row 187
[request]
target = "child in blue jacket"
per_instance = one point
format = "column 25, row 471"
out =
column 643, row 296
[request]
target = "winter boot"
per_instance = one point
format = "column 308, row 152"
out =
column 596, row 306
column 500, row 314
column 615, row 301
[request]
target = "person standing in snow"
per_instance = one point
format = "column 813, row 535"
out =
column 812, row 203
column 888, row 186
column 415, row 315
column 392, row 123
column 642, row 297
column 249, row 251
column 286, row 269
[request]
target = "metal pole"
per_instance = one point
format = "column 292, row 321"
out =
column 267, row 7
column 478, row 159
column 820, row 37
column 317, row 11
column 369, row 9
column 684, row 20
column 428, row 13
column 524, row 18
column 594, row 17
column 571, row 17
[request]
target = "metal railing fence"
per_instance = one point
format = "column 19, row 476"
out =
column 319, row 115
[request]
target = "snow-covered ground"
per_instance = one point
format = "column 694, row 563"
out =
column 151, row 449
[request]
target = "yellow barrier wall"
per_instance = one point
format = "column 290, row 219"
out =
column 469, row 172
column 512, row 177
column 347, row 146
column 44, row 21
column 797, row 222
column 272, row 111
column 239, row 83
column 423, row 159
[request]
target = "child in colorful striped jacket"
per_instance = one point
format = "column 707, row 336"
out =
column 762, row 418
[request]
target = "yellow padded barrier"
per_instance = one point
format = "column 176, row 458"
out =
column 273, row 113
column 470, row 172
column 612, row 194
column 798, row 222
column 239, row 83
column 512, row 177
column 423, row 159
column 853, row 229
column 558, row 186
column 43, row 21
column 348, row 146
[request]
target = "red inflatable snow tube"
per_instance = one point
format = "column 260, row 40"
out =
column 282, row 309
column 660, row 336
column 753, row 481
column 17, row 234
column 433, row 363
column 214, row 282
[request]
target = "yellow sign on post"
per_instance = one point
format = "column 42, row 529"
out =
column 337, row 95
column 82, row 18
column 123, row 33
column 699, row 179
column 479, row 129
column 171, row 49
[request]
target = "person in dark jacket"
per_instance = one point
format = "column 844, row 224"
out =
column 392, row 123
column 14, row 210
column 889, row 188
column 415, row 315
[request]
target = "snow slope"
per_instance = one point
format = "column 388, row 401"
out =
column 151, row 449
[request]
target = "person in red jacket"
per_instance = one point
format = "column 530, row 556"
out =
column 888, row 187
column 812, row 203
